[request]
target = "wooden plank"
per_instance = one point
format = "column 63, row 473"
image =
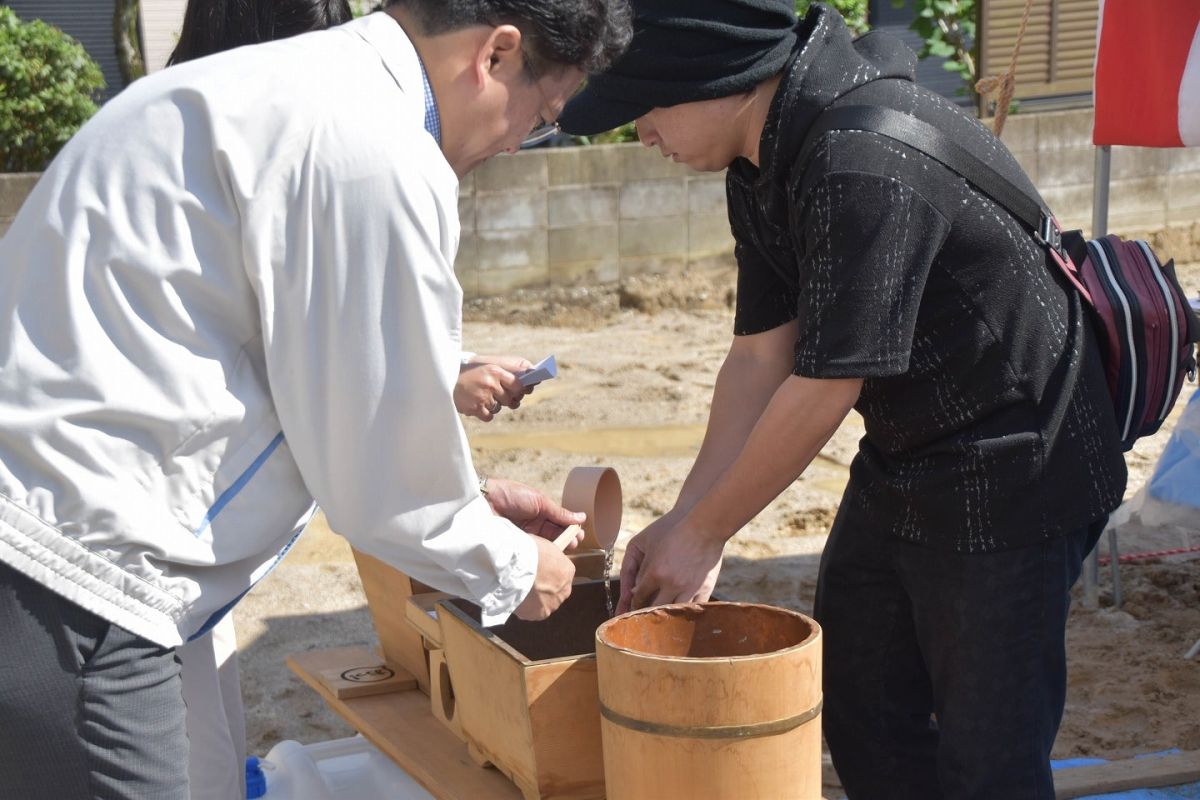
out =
column 402, row 726
column 367, row 677
column 1150, row 772
column 387, row 591
column 421, row 612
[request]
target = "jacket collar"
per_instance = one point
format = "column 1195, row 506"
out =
column 783, row 112
column 827, row 64
column 399, row 57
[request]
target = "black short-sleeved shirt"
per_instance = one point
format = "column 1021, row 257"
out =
column 988, row 424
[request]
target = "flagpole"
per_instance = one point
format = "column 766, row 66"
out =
column 1103, row 173
column 1091, row 568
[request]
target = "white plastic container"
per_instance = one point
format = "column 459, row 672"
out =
column 341, row 769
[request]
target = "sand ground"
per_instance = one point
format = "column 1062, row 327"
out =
column 637, row 366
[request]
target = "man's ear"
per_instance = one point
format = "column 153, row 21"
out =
column 500, row 56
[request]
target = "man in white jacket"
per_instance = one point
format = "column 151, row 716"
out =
column 232, row 294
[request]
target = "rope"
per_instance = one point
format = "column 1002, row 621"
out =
column 1130, row 558
column 1006, row 82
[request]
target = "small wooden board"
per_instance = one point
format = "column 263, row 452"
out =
column 402, row 725
column 371, row 676
column 1148, row 772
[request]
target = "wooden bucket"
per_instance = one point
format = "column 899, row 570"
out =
column 712, row 700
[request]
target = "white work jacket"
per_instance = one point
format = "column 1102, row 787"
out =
column 231, row 294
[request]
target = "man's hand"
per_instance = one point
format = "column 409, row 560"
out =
column 552, row 586
column 487, row 383
column 532, row 511
column 669, row 562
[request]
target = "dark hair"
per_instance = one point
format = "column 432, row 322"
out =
column 588, row 34
column 210, row 26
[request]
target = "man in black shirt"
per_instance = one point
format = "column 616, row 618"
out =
column 872, row 277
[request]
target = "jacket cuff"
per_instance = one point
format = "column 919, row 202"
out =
column 516, row 581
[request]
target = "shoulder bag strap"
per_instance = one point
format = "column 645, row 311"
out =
column 924, row 137
column 920, row 135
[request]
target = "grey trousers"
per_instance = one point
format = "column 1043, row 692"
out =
column 87, row 709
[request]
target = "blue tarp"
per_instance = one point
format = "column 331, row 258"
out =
column 1176, row 477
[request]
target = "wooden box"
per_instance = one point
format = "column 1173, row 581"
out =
column 525, row 695
column 388, row 590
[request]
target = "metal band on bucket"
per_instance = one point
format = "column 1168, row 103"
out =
column 713, row 731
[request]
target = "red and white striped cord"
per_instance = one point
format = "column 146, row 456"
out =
column 1130, row 558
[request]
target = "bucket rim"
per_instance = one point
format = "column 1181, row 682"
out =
column 814, row 635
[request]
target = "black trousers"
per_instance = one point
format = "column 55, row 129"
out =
column 945, row 674
column 88, row 711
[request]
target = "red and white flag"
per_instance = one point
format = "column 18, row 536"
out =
column 1148, row 73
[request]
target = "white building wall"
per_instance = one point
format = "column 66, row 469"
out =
column 161, row 21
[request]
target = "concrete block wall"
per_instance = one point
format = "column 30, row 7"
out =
column 618, row 210
column 586, row 215
column 14, row 188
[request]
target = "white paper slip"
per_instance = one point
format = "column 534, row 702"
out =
column 544, row 370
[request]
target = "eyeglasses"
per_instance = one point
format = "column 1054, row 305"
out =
column 540, row 133
column 543, row 130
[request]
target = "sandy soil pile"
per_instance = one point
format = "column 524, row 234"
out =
column 637, row 366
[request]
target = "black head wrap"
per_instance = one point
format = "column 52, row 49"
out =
column 684, row 51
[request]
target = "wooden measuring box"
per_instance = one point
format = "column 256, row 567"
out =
column 522, row 696
column 525, row 694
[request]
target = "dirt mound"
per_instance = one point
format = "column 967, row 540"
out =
column 590, row 307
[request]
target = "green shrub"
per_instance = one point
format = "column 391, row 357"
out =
column 855, row 12
column 625, row 133
column 47, row 89
column 947, row 29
